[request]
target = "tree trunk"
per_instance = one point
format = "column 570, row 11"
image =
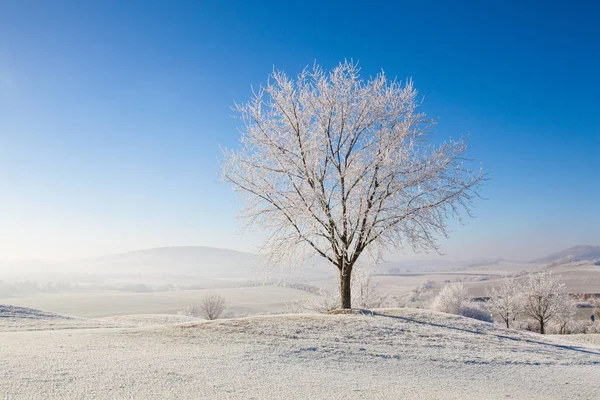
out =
column 507, row 322
column 542, row 327
column 345, row 287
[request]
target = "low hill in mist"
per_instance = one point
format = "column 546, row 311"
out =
column 577, row 253
column 208, row 262
column 193, row 262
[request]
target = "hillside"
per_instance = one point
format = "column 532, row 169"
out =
column 176, row 265
column 391, row 354
column 578, row 253
column 207, row 262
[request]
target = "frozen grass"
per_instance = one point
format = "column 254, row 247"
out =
column 391, row 354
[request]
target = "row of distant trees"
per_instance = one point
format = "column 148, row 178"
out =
column 541, row 297
column 538, row 299
column 24, row 288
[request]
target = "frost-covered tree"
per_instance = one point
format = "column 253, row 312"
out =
column 543, row 297
column 506, row 299
column 343, row 166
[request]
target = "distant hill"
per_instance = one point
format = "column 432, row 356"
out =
column 208, row 262
column 577, row 253
column 190, row 261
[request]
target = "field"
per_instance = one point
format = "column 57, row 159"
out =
column 392, row 354
column 99, row 303
column 246, row 298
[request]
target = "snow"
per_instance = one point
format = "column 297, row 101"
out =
column 391, row 354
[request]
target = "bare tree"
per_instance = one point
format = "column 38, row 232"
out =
column 211, row 306
column 506, row 299
column 335, row 165
column 543, row 295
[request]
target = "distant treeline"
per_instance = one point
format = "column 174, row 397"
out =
column 26, row 288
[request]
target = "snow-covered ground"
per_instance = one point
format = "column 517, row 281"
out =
column 393, row 354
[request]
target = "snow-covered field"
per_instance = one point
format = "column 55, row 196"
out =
column 392, row 354
column 103, row 303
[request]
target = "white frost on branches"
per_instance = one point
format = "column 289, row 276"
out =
column 543, row 298
column 506, row 300
column 453, row 299
column 364, row 291
column 450, row 299
column 211, row 306
column 338, row 165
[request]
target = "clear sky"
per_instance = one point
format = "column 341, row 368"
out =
column 112, row 113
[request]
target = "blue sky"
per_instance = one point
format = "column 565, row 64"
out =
column 112, row 113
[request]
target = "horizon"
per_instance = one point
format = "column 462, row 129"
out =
column 389, row 258
column 112, row 116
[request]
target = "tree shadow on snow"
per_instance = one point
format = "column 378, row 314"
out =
column 515, row 339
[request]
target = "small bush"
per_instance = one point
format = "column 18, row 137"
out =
column 323, row 302
column 421, row 296
column 210, row 307
column 364, row 291
column 473, row 311
column 450, row 299
column 594, row 328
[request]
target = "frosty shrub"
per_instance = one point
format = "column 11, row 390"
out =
column 190, row 311
column 364, row 290
column 569, row 327
column 324, row 301
column 210, row 307
column 475, row 311
column 450, row 299
column 421, row 296
column 593, row 328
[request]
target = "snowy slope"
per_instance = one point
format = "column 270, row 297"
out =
column 399, row 354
